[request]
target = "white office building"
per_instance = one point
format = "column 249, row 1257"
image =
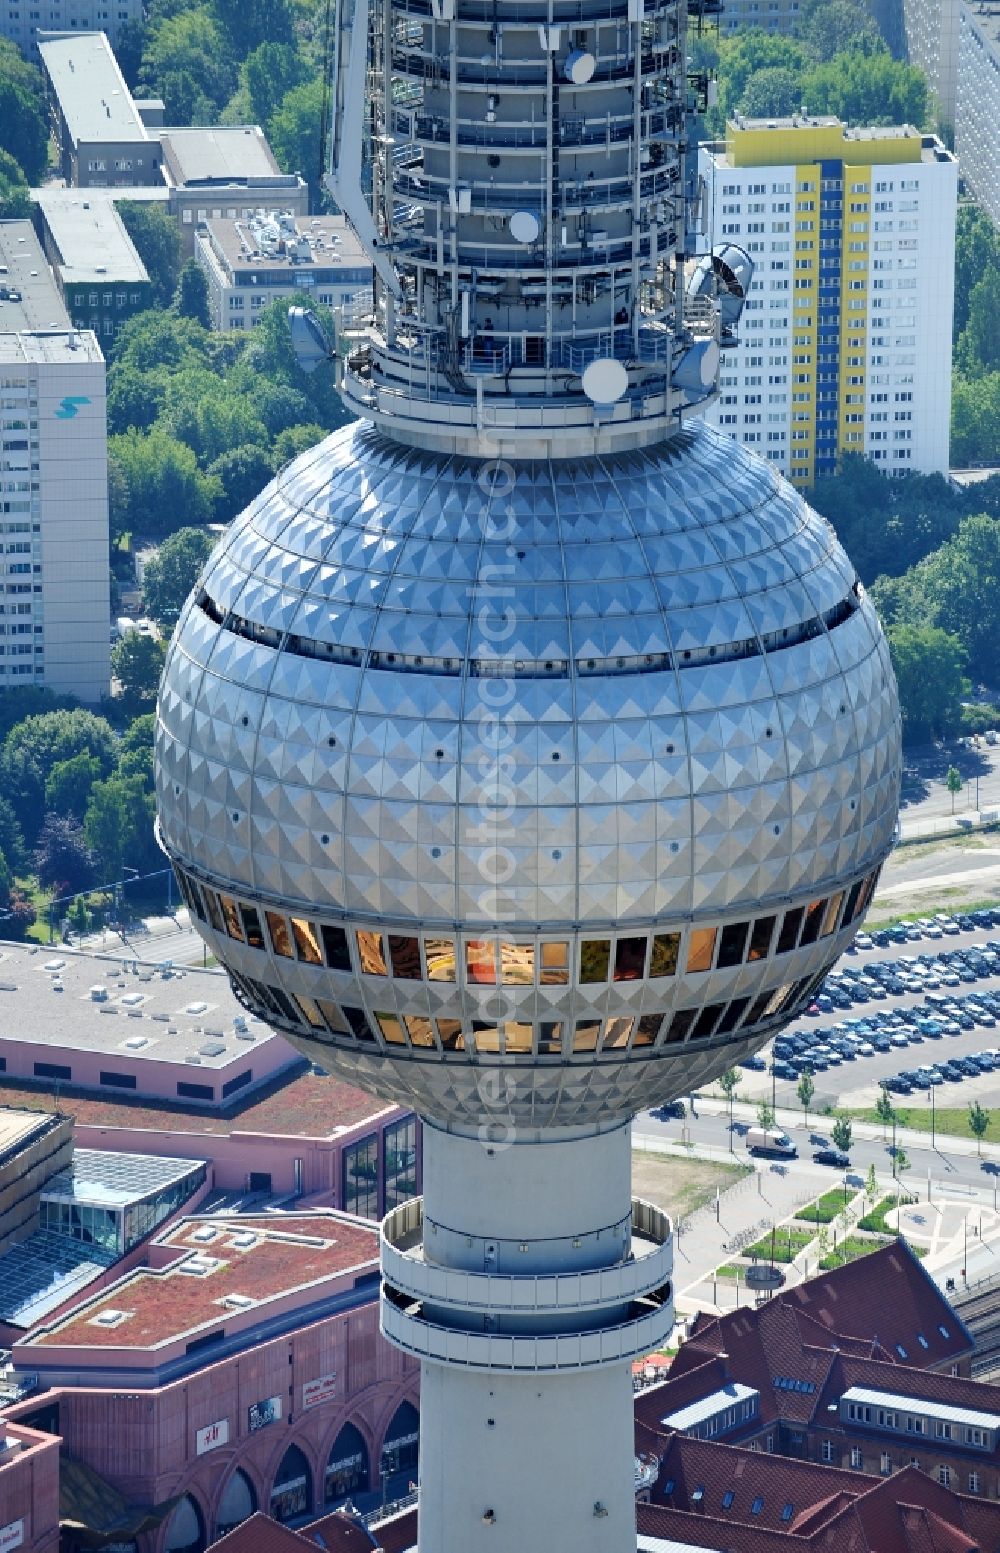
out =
column 249, row 261
column 845, row 341
column 54, row 578
column 977, row 111
column 931, row 34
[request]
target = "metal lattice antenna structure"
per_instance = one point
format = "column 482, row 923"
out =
column 520, row 174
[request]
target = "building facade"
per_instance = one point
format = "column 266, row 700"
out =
column 931, row 34
column 101, row 278
column 23, row 24
column 103, row 142
column 977, row 108
column 240, row 1369
column 768, row 15
column 249, row 262
column 226, row 172
column 845, row 341
column 55, row 603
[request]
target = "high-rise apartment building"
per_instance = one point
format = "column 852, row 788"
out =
column 977, row 108
column 54, row 580
column 930, row 36
column 767, row 15
column 845, row 341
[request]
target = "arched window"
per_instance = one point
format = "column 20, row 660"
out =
column 347, row 1467
column 237, row 1504
column 399, row 1449
column 185, row 1528
column 291, row 1495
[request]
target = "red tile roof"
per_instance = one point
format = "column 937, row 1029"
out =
column 289, row 1252
column 309, row 1106
column 262, row 1535
column 339, row 1533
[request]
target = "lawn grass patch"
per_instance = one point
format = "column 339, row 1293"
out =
column 953, row 1120
column 823, row 1210
column 850, row 1250
column 787, row 1245
column 876, row 1219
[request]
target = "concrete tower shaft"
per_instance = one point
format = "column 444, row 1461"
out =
column 521, row 180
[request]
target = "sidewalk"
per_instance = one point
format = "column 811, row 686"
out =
column 872, row 1132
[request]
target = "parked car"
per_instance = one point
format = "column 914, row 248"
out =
column 834, row 1157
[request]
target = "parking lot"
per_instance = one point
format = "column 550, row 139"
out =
column 899, row 1005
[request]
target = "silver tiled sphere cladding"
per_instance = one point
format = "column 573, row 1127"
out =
column 699, row 728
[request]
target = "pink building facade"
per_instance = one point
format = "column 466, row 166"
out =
column 29, row 1490
column 169, row 1387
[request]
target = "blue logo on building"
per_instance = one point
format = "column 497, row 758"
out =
column 69, row 406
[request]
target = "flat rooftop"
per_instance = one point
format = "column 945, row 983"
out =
column 91, row 240
column 29, row 297
column 67, row 1001
column 221, row 155
column 307, row 1106
column 93, row 97
column 300, row 246
column 230, row 1266
column 116, row 1180
column 17, row 1128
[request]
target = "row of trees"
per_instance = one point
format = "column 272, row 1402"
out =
column 837, row 62
column 24, row 130
column 975, row 413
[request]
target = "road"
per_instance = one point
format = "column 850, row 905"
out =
column 924, row 794
column 161, row 938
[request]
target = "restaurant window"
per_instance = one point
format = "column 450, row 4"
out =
column 788, row 937
column 616, row 1034
column 439, row 957
column 595, row 960
column 732, row 944
column 420, row 1030
column 392, row 1029
column 450, row 1035
column 813, row 922
column 647, row 1029
column 550, row 1038
column 554, row 964
column 701, row 948
column 335, row 948
column 630, row 959
column 404, row 956
column 663, row 961
column 281, row 938
column 679, row 1026
column 251, row 927
column 371, row 954
column 306, row 941
column 760, row 938
column 232, row 917
column 517, row 964
column 480, row 962
column 585, row 1035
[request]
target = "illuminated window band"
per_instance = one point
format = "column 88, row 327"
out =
column 487, row 960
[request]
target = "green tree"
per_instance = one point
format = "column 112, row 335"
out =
column 137, row 663
column 743, row 56
column 885, row 1110
column 977, row 250
column 296, row 134
column 63, row 861
column 38, row 743
column 15, row 197
column 774, row 93
column 267, row 75
column 867, row 89
column 872, row 1188
column 24, row 124
column 977, row 351
column 953, row 782
column 191, row 296
column 11, row 837
column 729, row 1083
column 837, row 25
column 805, row 1090
column 170, row 575
column 930, row 673
column 975, row 419
column 900, row 1163
column 242, row 474
column 957, row 587
column 297, row 439
column 269, row 353
column 79, row 916
column 188, row 62
column 67, row 788
column 210, row 414
column 765, row 1114
column 979, row 1124
column 119, row 826
column 136, row 750
column 842, row 1131
column 158, row 242
column 249, row 24
column 166, row 489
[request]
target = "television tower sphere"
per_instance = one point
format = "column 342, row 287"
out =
column 527, row 752
column 583, row 771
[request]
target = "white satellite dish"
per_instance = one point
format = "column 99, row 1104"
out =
column 605, row 380
column 579, row 67
column 524, row 226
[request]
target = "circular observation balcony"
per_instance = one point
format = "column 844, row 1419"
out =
column 640, row 1283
